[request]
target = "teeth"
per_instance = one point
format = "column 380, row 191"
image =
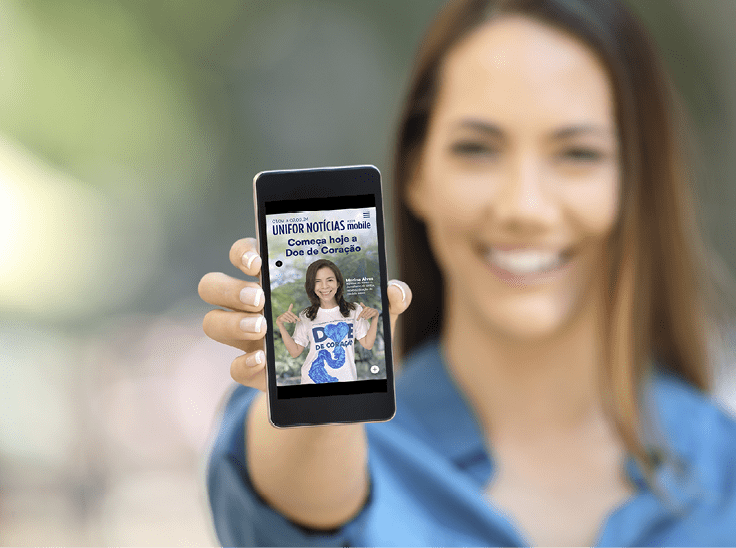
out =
column 525, row 262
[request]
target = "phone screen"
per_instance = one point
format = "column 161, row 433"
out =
column 326, row 250
column 322, row 243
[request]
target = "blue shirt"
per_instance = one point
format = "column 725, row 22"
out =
column 429, row 467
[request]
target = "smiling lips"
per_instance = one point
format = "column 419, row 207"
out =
column 526, row 262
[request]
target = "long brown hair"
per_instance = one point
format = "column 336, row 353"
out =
column 312, row 269
column 657, row 288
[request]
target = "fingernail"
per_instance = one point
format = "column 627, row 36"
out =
column 249, row 257
column 252, row 324
column 251, row 295
column 403, row 293
column 256, row 359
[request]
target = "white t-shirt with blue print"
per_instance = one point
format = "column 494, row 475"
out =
column 330, row 338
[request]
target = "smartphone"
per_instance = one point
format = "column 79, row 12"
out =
column 322, row 242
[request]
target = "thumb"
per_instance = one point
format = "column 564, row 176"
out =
column 399, row 299
column 290, row 307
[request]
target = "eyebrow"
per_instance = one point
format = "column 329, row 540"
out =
column 571, row 131
column 493, row 130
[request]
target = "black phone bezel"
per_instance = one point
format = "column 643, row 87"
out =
column 322, row 404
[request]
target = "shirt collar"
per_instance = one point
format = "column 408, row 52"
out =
column 678, row 420
column 448, row 423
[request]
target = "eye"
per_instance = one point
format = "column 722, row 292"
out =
column 582, row 155
column 472, row 148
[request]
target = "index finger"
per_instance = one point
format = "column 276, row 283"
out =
column 244, row 255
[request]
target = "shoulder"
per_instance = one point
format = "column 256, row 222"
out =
column 415, row 397
column 684, row 409
column 420, row 364
column 423, row 384
column 699, row 429
column 432, row 405
column 430, row 460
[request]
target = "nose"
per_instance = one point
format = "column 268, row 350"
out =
column 525, row 201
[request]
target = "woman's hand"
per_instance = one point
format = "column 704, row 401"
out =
column 367, row 312
column 292, row 347
column 288, row 317
column 241, row 324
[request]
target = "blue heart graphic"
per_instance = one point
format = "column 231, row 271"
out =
column 337, row 332
column 317, row 372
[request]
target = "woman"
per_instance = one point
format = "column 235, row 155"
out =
column 557, row 344
column 332, row 317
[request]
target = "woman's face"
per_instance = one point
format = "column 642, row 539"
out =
column 325, row 285
column 518, row 181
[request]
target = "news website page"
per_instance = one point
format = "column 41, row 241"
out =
column 324, row 269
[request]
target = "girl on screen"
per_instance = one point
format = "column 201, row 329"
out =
column 328, row 327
